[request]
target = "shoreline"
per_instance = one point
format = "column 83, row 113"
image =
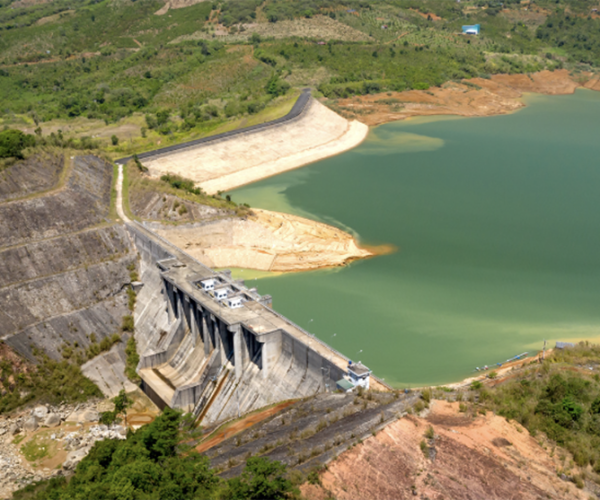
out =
column 271, row 242
column 320, row 133
column 477, row 97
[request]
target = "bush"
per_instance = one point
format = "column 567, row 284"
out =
column 133, row 359
column 262, row 479
column 127, row 324
column 276, row 86
column 115, row 140
column 13, row 142
column 179, row 182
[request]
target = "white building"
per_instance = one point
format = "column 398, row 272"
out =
column 234, row 302
column 208, row 285
column 359, row 374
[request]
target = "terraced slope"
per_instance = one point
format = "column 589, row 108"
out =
column 64, row 262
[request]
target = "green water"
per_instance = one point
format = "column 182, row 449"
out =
column 497, row 224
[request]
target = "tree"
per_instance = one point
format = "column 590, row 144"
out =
column 262, row 479
column 13, row 142
column 115, row 140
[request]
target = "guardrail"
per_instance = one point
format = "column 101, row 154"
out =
column 295, row 112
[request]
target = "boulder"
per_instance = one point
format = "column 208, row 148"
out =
column 74, row 457
column 89, row 415
column 52, row 420
column 40, row 412
column 14, row 429
column 30, row 424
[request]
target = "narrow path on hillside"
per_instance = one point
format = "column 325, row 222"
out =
column 120, row 210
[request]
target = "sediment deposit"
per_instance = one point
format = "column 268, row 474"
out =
column 267, row 241
column 224, row 165
column 500, row 94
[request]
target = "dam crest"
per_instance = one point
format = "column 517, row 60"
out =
column 211, row 346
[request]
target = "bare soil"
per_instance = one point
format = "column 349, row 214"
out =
column 267, row 241
column 470, row 457
column 500, row 94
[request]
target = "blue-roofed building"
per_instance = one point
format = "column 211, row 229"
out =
column 472, row 29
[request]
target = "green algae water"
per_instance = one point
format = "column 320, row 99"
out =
column 497, row 224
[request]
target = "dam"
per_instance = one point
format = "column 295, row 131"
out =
column 211, row 346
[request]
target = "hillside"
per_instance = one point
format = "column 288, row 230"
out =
column 145, row 74
column 502, row 439
column 66, row 264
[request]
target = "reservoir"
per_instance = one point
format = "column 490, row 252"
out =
column 496, row 221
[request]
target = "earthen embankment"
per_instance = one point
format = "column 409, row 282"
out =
column 228, row 162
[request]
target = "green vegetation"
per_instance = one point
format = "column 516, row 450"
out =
column 133, row 358
column 13, row 142
column 178, row 182
column 49, row 381
column 561, row 398
column 148, row 465
column 34, row 450
column 92, row 351
column 174, row 77
column 121, row 402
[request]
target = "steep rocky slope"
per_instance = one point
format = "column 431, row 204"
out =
column 64, row 261
column 447, row 455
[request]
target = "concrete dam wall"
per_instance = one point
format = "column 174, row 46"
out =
column 201, row 355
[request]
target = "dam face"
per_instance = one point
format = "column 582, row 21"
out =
column 219, row 357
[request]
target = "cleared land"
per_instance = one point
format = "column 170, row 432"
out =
column 319, row 133
column 462, row 457
column 318, row 27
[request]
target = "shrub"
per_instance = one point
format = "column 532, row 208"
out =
column 127, row 324
column 429, row 433
column 115, row 140
column 13, row 142
column 132, row 360
column 179, row 182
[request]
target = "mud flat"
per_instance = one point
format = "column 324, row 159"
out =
column 318, row 133
column 267, row 241
column 500, row 94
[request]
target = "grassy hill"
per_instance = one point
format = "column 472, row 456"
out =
column 151, row 75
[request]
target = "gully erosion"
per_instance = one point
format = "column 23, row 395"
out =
column 213, row 347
